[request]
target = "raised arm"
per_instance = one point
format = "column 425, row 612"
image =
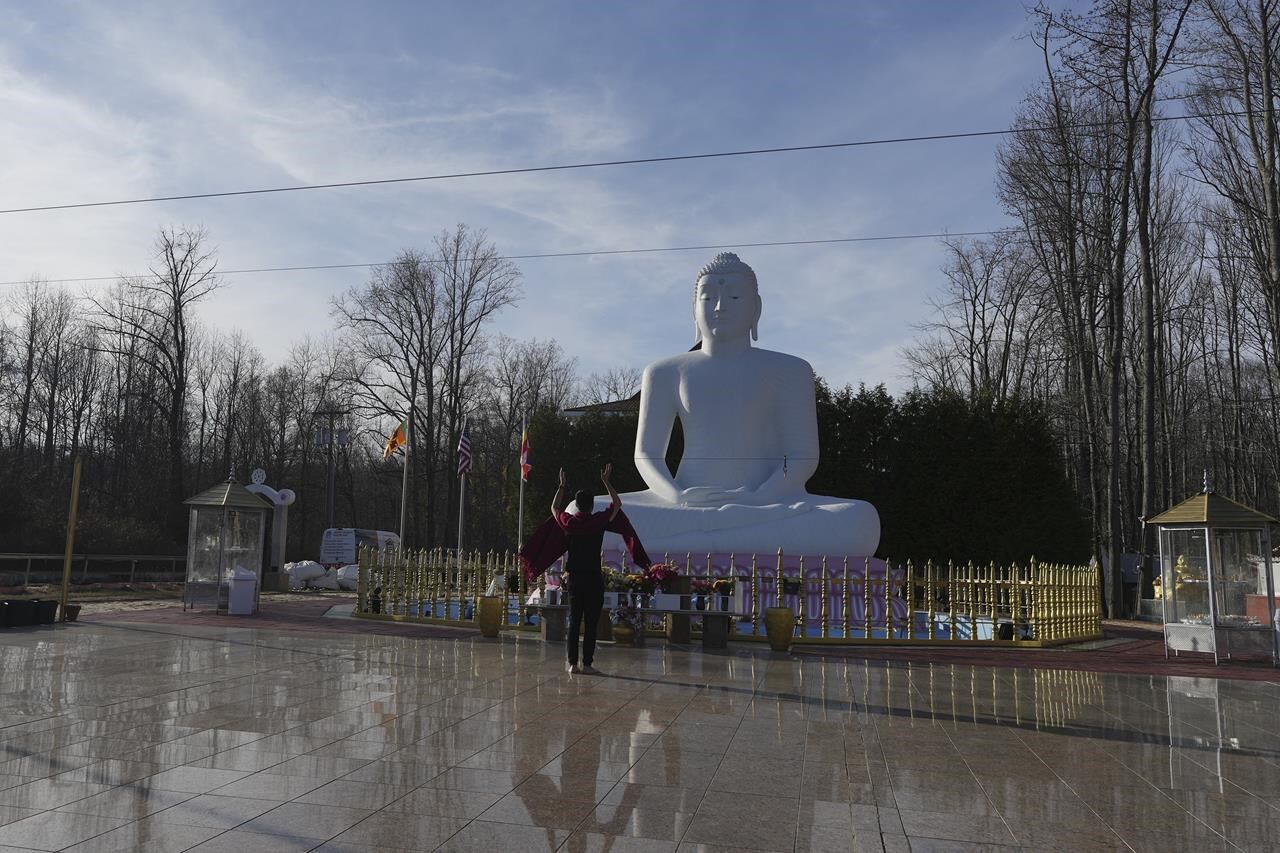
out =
column 616, row 502
column 558, row 502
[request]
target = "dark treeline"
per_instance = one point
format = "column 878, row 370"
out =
column 161, row 406
column 952, row 478
column 1138, row 300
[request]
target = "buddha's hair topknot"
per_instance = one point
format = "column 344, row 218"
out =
column 727, row 262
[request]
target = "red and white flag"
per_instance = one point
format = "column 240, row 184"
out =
column 464, row 449
column 525, row 466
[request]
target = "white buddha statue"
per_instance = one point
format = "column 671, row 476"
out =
column 750, row 427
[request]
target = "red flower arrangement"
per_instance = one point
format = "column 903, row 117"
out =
column 662, row 576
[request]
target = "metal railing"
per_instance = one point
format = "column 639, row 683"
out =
column 849, row 602
column 25, row 569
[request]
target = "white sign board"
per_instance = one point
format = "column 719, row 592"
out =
column 340, row 545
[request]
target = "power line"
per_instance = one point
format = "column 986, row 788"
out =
column 525, row 170
column 546, row 255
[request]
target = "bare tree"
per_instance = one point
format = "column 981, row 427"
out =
column 476, row 283
column 153, row 322
column 616, row 383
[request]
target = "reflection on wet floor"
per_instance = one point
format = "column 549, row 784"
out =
column 184, row 737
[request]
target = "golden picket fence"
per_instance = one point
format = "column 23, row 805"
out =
column 1036, row 604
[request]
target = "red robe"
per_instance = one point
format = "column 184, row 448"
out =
column 549, row 542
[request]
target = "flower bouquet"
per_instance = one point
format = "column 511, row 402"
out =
column 638, row 586
column 723, row 588
column 627, row 624
column 701, row 590
column 615, row 586
column 662, row 577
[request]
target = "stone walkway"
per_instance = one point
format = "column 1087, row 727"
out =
column 182, row 735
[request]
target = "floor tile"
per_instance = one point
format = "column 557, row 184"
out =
column 126, row 801
column 654, row 797
column 956, row 827
column 625, row 820
column 355, row 795
column 146, row 837
column 306, row 820
column 244, row 842
column 8, row 814
column 552, row 812
column 400, row 831
column 485, row 837
column 56, row 830
column 591, row 842
column 269, row 786
column 213, row 810
column 195, row 780
column 444, row 802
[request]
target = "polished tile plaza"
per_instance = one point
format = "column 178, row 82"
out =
column 173, row 738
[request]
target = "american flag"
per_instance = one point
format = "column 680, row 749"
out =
column 464, row 449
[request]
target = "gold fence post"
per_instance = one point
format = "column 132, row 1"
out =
column 1094, row 604
column 1055, row 590
column 824, row 613
column 777, row 581
column 888, row 600
column 412, row 603
column 929, row 594
column 444, row 565
column 522, row 612
column 1032, row 592
column 397, row 587
column 908, row 593
column 993, row 592
column 755, row 596
column 866, row 596
column 1050, row 602
column 951, row 601
column 1014, row 596
column 362, row 578
column 803, row 595
column 844, row 601
column 970, row 598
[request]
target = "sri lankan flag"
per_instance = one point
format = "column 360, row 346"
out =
column 525, row 465
column 395, row 442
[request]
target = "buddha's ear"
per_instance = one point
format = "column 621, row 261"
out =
column 755, row 321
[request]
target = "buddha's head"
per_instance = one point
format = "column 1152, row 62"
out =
column 726, row 299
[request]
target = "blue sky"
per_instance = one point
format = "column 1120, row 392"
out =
column 175, row 98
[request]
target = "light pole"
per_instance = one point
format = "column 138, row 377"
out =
column 329, row 438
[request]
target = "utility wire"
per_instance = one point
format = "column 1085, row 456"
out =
column 595, row 165
column 543, row 255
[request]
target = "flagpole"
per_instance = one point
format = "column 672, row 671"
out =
column 524, row 431
column 404, row 483
column 462, row 504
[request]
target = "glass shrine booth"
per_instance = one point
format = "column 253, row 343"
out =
column 225, row 540
column 1216, row 580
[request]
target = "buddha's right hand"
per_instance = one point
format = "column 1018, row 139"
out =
column 707, row 496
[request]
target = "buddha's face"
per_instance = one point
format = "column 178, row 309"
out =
column 726, row 305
